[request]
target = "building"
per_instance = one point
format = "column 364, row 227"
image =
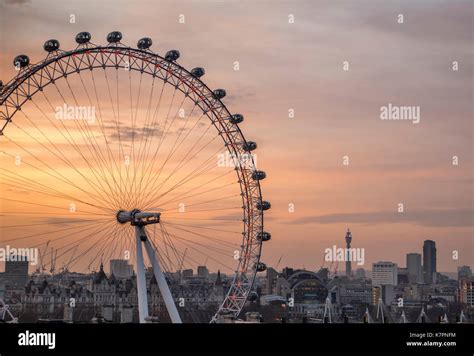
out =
column 464, row 273
column 466, row 292
column 402, row 276
column 270, row 279
column 121, row 269
column 187, row 273
column 359, row 273
column 351, row 293
column 429, row 262
column 384, row 273
column 16, row 273
column 376, row 294
column 348, row 257
column 386, row 293
column 415, row 272
column 202, row 272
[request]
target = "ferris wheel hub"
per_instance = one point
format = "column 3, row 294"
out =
column 137, row 217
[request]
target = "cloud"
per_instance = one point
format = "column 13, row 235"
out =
column 17, row 2
column 427, row 218
column 240, row 96
column 456, row 17
column 127, row 133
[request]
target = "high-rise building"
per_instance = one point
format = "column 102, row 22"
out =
column 121, row 268
column 272, row 275
column 429, row 262
column 384, row 273
column 415, row 273
column 348, row 254
column 16, row 272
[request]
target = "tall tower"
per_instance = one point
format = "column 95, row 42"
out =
column 415, row 273
column 429, row 261
column 348, row 253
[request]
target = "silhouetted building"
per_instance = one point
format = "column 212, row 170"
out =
column 464, row 273
column 16, row 273
column 202, row 271
column 415, row 273
column 187, row 273
column 121, row 269
column 272, row 275
column 429, row 262
column 360, row 273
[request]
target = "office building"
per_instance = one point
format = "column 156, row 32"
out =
column 415, row 272
column 384, row 273
column 429, row 262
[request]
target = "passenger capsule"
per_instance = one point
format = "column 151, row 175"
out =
column 198, row 72
column 83, row 37
column 144, row 43
column 258, row 175
column 249, row 146
column 260, row 267
column 264, row 236
column 263, row 205
column 236, row 119
column 51, row 45
column 21, row 61
column 114, row 37
column 219, row 93
column 172, row 55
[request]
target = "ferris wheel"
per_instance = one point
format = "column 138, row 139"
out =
column 106, row 149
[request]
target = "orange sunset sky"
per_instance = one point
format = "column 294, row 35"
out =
column 299, row 66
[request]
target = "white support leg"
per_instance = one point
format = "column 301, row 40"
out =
column 162, row 284
column 141, row 281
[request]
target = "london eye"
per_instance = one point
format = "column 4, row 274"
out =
column 109, row 150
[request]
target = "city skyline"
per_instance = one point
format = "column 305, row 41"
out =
column 334, row 269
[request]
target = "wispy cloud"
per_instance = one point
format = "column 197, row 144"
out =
column 427, row 218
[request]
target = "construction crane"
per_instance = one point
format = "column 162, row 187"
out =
column 180, row 268
column 182, row 260
column 41, row 269
column 65, row 266
column 278, row 263
column 54, row 255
